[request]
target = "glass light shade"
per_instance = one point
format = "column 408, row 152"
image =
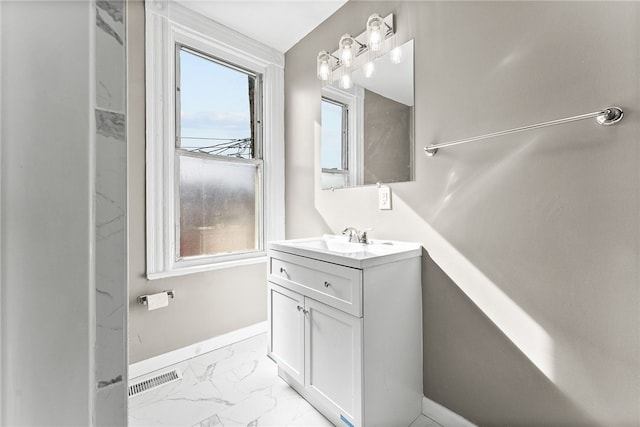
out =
column 368, row 69
column 345, row 81
column 324, row 65
column 346, row 46
column 396, row 55
column 374, row 31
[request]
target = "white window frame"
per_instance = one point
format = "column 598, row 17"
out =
column 168, row 23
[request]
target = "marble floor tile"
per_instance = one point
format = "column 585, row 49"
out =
column 237, row 385
column 278, row 405
column 209, row 422
column 186, row 408
column 423, row 421
column 158, row 394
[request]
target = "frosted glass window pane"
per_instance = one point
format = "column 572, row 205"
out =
column 218, row 212
column 216, row 107
column 333, row 128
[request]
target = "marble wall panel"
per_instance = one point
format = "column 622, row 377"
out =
column 110, row 55
column 111, row 213
column 110, row 200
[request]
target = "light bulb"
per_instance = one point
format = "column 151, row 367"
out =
column 374, row 31
column 345, row 81
column 324, row 71
column 396, row 55
column 324, row 67
column 369, row 69
column 346, row 50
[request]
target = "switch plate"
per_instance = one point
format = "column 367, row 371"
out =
column 384, row 198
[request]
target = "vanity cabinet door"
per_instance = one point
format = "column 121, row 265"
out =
column 333, row 359
column 286, row 330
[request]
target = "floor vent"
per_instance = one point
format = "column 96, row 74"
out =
column 154, row 382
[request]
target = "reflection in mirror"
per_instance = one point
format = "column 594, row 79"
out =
column 333, row 151
column 367, row 130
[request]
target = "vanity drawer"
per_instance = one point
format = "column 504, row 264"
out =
column 335, row 285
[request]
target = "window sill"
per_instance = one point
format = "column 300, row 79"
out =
column 203, row 268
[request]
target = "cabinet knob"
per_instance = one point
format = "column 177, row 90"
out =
column 282, row 270
column 300, row 308
column 327, row 284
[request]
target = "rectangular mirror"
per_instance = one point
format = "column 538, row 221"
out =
column 367, row 129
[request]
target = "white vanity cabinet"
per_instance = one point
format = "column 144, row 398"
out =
column 346, row 332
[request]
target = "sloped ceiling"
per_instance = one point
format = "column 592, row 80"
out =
column 278, row 24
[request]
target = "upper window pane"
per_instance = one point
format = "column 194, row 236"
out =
column 217, row 110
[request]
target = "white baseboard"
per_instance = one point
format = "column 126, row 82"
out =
column 442, row 415
column 176, row 356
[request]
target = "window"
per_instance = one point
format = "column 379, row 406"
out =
column 334, row 151
column 215, row 125
column 334, row 135
column 219, row 157
column 342, row 138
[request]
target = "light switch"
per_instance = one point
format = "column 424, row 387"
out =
column 384, row 197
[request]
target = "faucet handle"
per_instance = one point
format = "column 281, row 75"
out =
column 362, row 237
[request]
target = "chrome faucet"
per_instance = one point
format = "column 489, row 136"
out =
column 356, row 236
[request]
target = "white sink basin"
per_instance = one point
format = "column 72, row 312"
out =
column 339, row 250
column 342, row 245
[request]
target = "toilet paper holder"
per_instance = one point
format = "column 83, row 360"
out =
column 142, row 299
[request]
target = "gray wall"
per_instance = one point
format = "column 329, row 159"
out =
column 207, row 304
column 46, row 214
column 549, row 216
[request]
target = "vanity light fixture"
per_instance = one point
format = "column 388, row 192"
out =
column 349, row 55
column 346, row 46
column 324, row 65
column 368, row 69
column 396, row 55
column 374, row 32
column 345, row 81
